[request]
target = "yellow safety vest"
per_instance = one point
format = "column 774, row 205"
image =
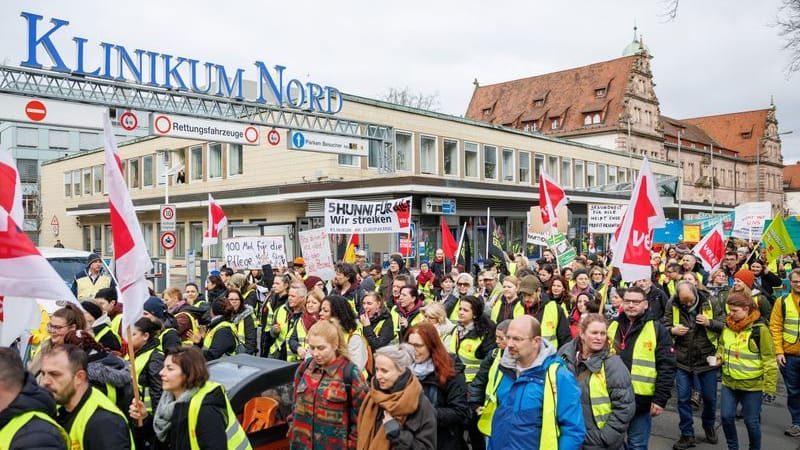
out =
column 490, row 404
column 416, row 320
column 466, row 350
column 454, row 314
column 518, row 310
column 237, row 439
column 791, row 320
column 13, row 426
column 550, row 323
column 87, row 289
column 96, row 400
column 300, row 330
column 116, row 325
column 426, row 291
column 550, row 429
column 210, row 336
column 643, row 364
column 671, row 288
column 281, row 317
column 193, row 323
column 740, row 360
column 105, row 330
column 394, row 318
column 707, row 311
column 598, row 394
column 161, row 338
column 141, row 362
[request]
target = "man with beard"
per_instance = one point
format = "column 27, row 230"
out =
column 26, row 410
column 346, row 285
column 92, row 420
column 656, row 298
column 554, row 323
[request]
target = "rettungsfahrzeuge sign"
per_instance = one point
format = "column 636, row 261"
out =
column 352, row 216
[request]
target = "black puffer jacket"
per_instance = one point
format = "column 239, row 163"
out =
column 107, row 369
column 245, row 316
column 450, row 403
column 150, row 376
column 692, row 349
column 37, row 433
column 211, row 423
column 223, row 343
column 385, row 334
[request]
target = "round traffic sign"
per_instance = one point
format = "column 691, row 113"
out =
column 168, row 240
column 162, row 124
column 251, row 134
column 128, row 121
column 168, row 212
column 274, row 137
column 35, row 110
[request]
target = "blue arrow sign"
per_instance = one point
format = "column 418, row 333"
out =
column 298, row 139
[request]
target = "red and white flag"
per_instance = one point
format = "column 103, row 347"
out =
column 10, row 189
column 711, row 249
column 634, row 235
column 130, row 251
column 216, row 221
column 551, row 197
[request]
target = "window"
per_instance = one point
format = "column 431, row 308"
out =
column 596, row 118
column 470, row 159
column 427, row 155
column 747, row 135
column 196, row 238
column 508, row 164
column 88, row 141
column 587, row 119
column 76, row 182
column 87, row 238
column 601, row 174
column 98, row 180
column 97, row 236
column 147, row 171
column 180, row 239
column 27, row 137
column 489, row 162
column 148, row 230
column 553, row 168
column 591, row 178
column 196, row 160
column 601, row 92
column 554, row 123
column 30, row 206
column 133, row 173
column 214, row 161
column 28, row 170
column 535, row 125
column 403, row 151
column 59, row 139
column 348, row 160
column 612, row 175
column 538, row 166
column 566, row 172
column 108, row 238
column 538, row 102
column 87, row 181
column 524, row 167
column 622, row 175
column 580, row 176
column 374, row 154
column 67, row 184
column 450, row 157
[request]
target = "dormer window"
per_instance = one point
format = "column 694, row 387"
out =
column 538, row 102
column 600, row 92
column 747, row 135
column 487, row 111
column 554, row 123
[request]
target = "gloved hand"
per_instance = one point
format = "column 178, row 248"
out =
column 768, row 399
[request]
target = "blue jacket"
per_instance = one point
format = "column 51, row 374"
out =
column 517, row 422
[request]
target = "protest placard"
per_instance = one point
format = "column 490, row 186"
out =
column 253, row 252
column 604, row 218
column 536, row 233
column 316, row 250
column 343, row 216
column 749, row 219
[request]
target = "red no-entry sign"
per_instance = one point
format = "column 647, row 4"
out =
column 35, row 110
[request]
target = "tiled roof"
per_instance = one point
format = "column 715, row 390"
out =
column 730, row 129
column 567, row 94
column 689, row 132
column 791, row 175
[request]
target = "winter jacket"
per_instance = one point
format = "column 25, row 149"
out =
column 450, row 403
column 620, row 392
column 211, row 424
column 517, row 422
column 476, row 390
column 562, row 329
column 385, row 334
column 766, row 282
column 624, row 342
column 109, row 339
column 440, row 268
column 104, row 430
column 37, row 433
column 656, row 301
column 107, row 369
column 354, row 295
column 692, row 349
column 245, row 316
column 765, row 348
column 150, row 376
column 271, row 305
column 224, row 341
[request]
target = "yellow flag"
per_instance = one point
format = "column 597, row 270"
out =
column 777, row 240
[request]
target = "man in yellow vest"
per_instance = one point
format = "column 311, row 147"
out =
column 532, row 414
column 695, row 324
column 90, row 280
column 645, row 347
column 784, row 325
column 92, row 421
column 26, row 410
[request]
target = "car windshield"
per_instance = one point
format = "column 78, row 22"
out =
column 67, row 267
column 229, row 375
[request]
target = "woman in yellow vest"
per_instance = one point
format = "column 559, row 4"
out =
column 560, row 293
column 148, row 362
column 473, row 338
column 436, row 315
column 69, row 318
column 509, row 305
column 743, row 283
column 244, row 321
column 379, row 325
column 193, row 412
column 749, row 369
column 220, row 339
column 464, row 287
column 482, row 391
column 298, row 348
column 606, row 390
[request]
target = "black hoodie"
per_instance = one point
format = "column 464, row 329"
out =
column 37, row 433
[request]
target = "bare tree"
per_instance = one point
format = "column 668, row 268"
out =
column 415, row 100
column 672, row 10
column 788, row 24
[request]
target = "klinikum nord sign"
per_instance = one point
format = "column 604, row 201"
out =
column 172, row 72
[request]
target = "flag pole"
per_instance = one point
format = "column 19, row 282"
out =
column 132, row 365
column 488, row 236
column 460, row 243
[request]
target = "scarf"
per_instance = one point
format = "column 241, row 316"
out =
column 309, row 320
column 424, row 277
column 400, row 402
column 417, row 304
column 162, row 418
column 422, row 370
column 176, row 308
column 739, row 325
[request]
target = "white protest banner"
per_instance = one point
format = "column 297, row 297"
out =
column 352, row 216
column 604, row 218
column 316, row 250
column 253, row 252
column 749, row 218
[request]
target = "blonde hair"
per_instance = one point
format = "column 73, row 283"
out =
column 436, row 311
column 331, row 333
column 317, row 294
column 512, row 279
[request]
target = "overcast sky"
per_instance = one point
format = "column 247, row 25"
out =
column 715, row 57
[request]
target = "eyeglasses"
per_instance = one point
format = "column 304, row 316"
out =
column 518, row 339
column 633, row 302
column 57, row 328
column 462, row 284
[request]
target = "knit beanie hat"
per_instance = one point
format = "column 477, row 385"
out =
column 156, row 307
column 311, row 281
column 746, row 276
column 92, row 309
